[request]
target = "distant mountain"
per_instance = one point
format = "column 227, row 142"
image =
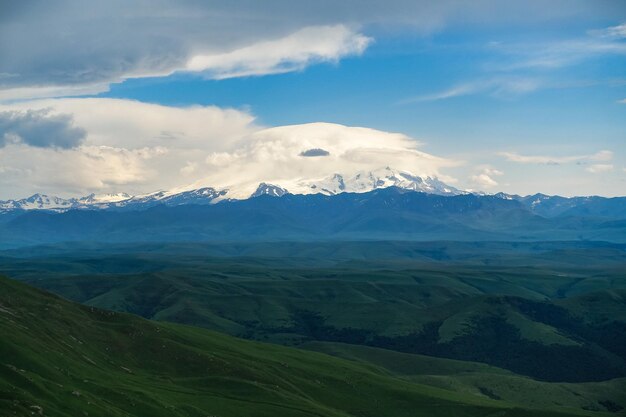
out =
column 359, row 182
column 199, row 196
column 362, row 182
column 269, row 189
column 389, row 213
column 38, row 201
column 47, row 202
column 103, row 198
column 112, row 201
column 557, row 206
column 382, row 204
column 365, row 181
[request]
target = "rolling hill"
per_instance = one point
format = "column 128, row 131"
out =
column 479, row 379
column 548, row 311
column 63, row 359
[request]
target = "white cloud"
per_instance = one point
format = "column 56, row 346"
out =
column 599, row 168
column 39, row 128
column 73, row 47
column 274, row 155
column 623, row 101
column 74, row 171
column 555, row 54
column 615, row 32
column 484, row 179
column 603, row 155
column 138, row 147
column 293, row 52
column 133, row 124
column 509, row 75
column 218, row 58
column 560, row 53
column 502, row 87
column 129, row 146
column 190, row 168
column 9, row 94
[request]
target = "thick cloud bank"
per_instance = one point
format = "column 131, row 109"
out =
column 275, row 155
column 123, row 145
column 74, row 47
column 38, row 128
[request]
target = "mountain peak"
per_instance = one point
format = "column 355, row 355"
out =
column 364, row 181
column 104, row 198
column 355, row 182
column 269, row 189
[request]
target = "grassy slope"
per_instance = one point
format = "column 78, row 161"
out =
column 483, row 380
column 67, row 360
column 360, row 302
column 264, row 289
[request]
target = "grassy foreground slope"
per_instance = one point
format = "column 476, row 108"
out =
column 64, row 359
column 484, row 380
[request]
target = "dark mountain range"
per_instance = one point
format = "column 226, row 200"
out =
column 557, row 206
column 389, row 213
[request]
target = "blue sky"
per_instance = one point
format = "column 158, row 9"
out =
column 516, row 98
column 376, row 89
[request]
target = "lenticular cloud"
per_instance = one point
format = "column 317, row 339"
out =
column 135, row 147
column 275, row 156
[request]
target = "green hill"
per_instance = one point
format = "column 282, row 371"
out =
column 64, row 359
column 484, row 380
column 552, row 321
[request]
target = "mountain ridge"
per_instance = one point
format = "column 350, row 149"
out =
column 548, row 206
column 385, row 214
column 359, row 182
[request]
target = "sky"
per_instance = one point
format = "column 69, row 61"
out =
column 140, row 96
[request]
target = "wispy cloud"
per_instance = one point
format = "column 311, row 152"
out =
column 600, row 156
column 214, row 56
column 130, row 39
column 612, row 32
column 291, row 53
column 556, row 54
column 599, row 168
column 523, row 68
column 497, row 87
column 559, row 54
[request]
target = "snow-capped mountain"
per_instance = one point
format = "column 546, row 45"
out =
column 365, row 181
column 269, row 189
column 557, row 206
column 38, row 202
column 205, row 195
column 103, row 198
column 53, row 203
column 359, row 182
